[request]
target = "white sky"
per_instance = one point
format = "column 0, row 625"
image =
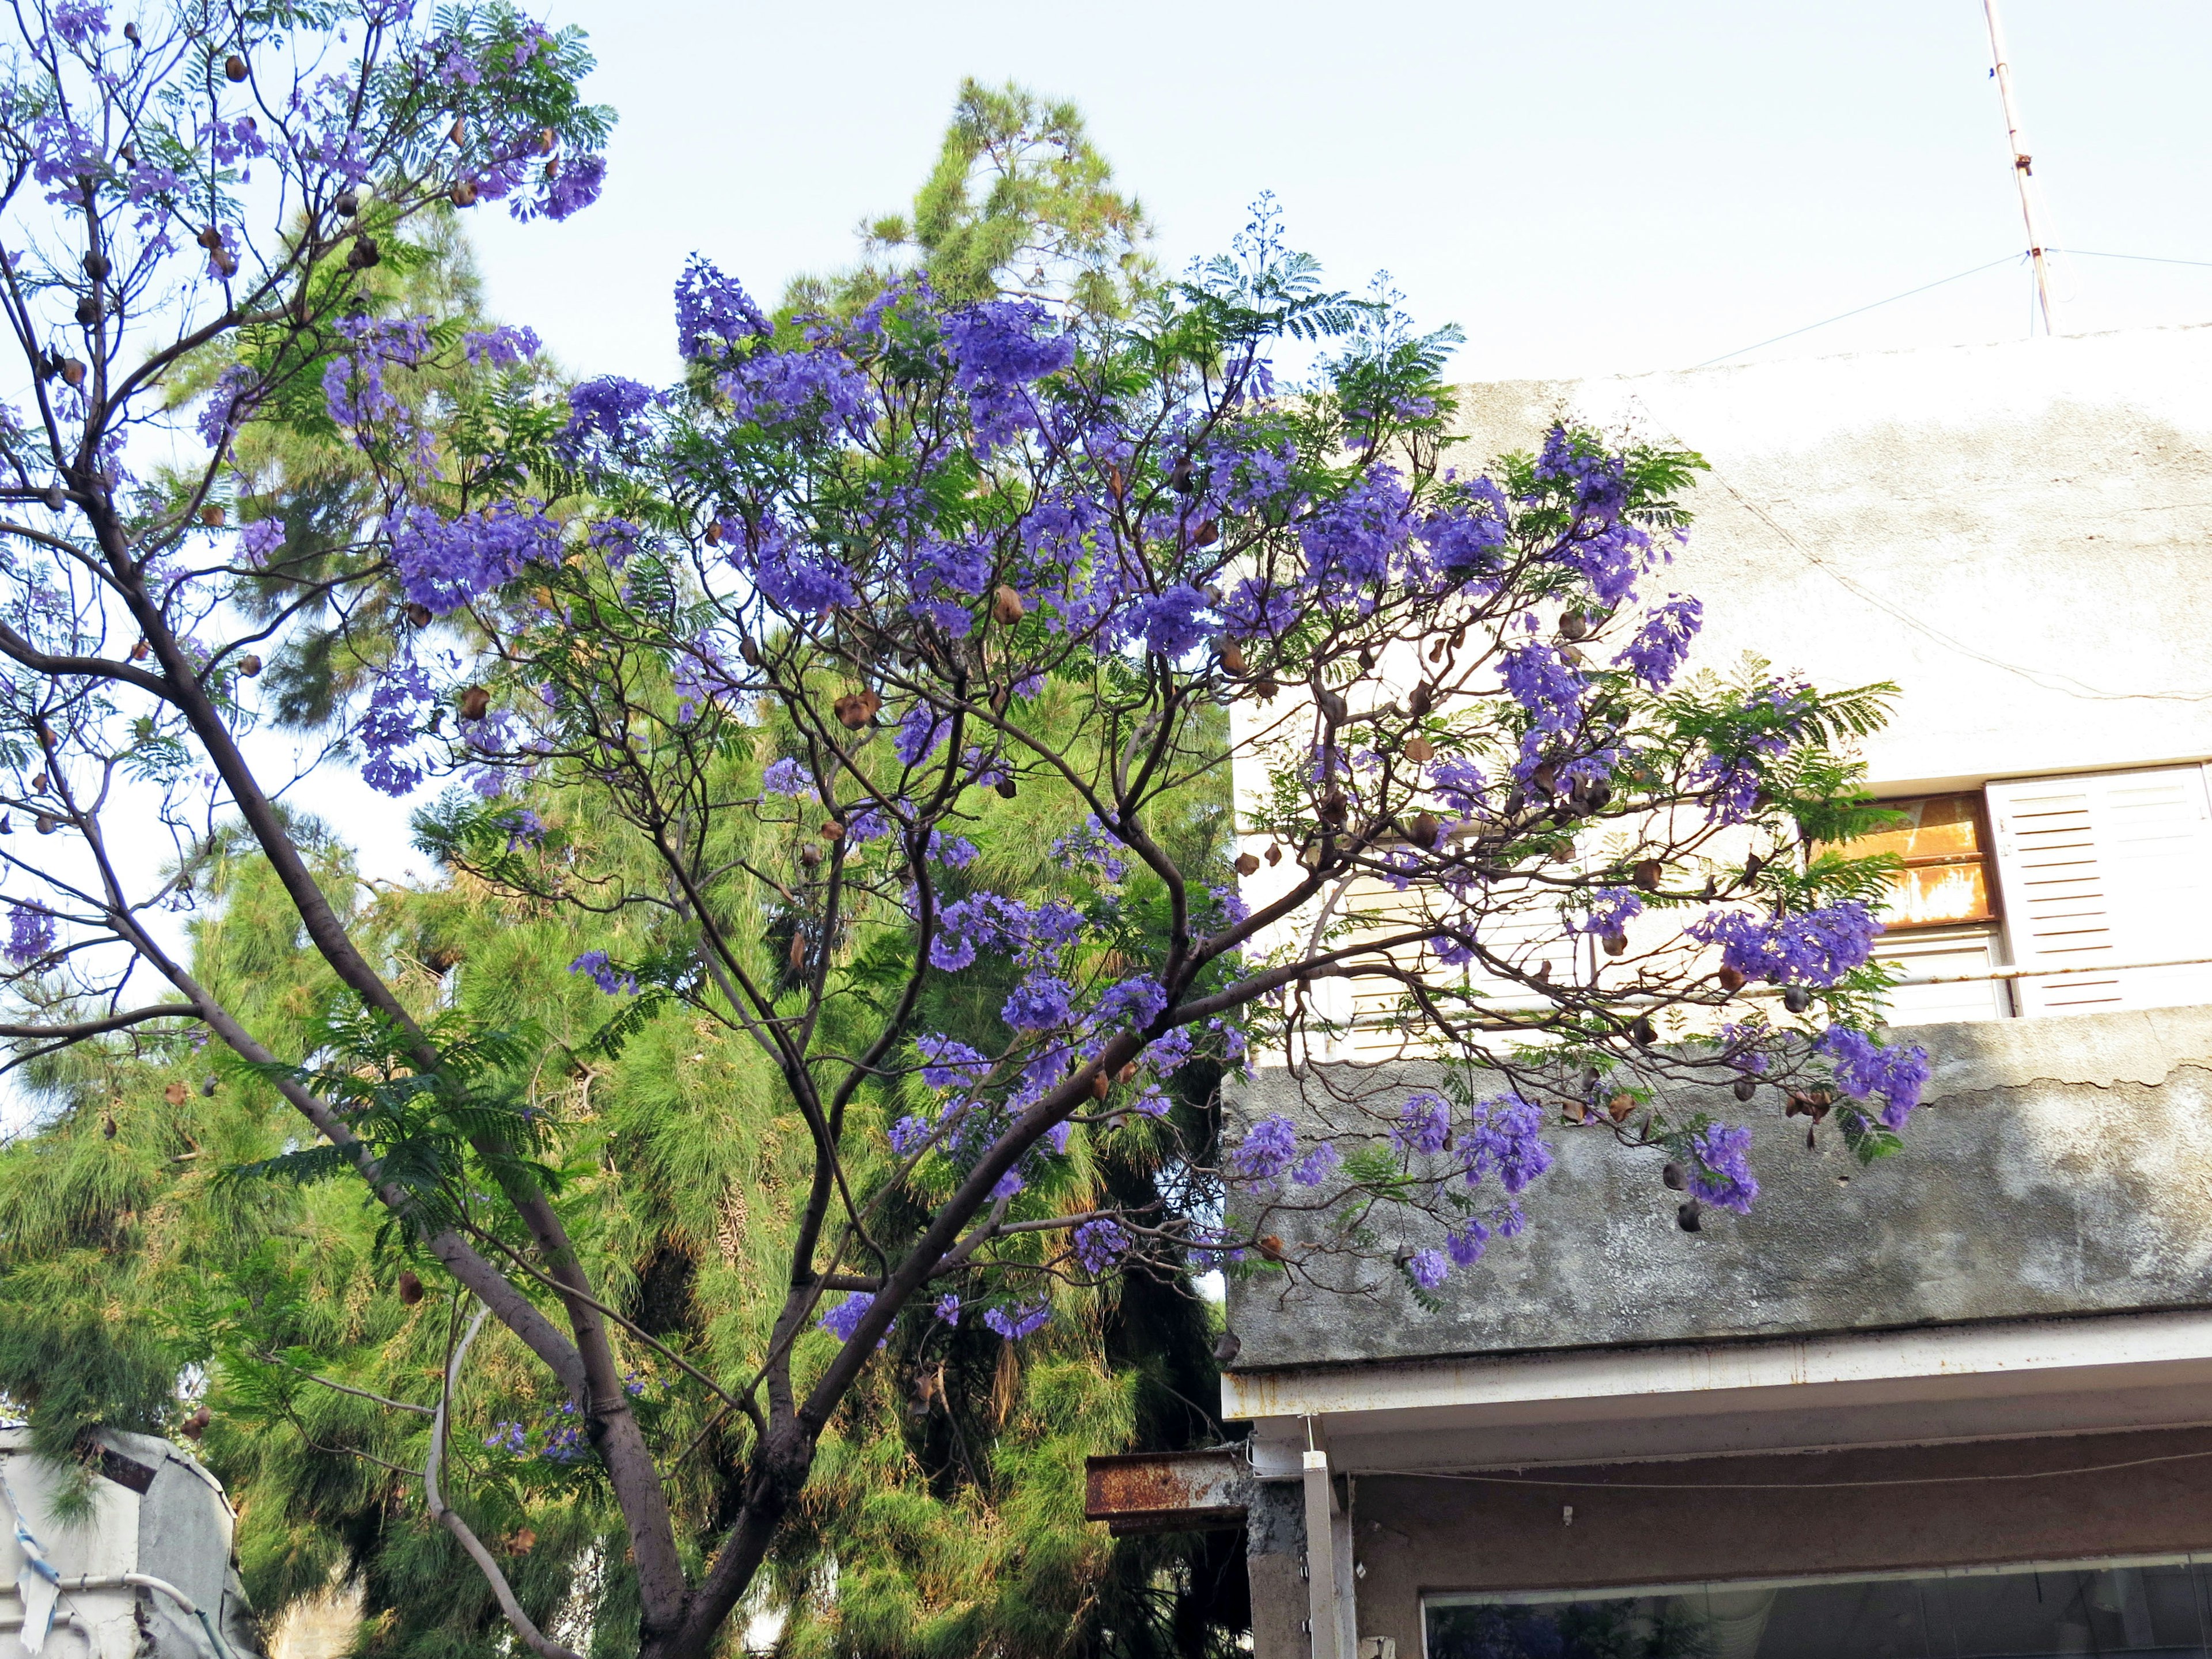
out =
column 1595, row 186
column 1586, row 188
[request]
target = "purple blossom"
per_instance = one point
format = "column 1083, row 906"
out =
column 1098, row 1245
column 1020, row 1321
column 947, row 1308
column 1816, row 947
column 842, row 1321
column 1657, row 652
column 1423, row 1124
column 604, row 973
column 713, row 311
column 571, row 190
column 1467, row 1243
column 950, row 1064
column 1267, row 1150
column 446, row 563
column 387, row 728
column 30, row 934
column 1868, row 1071
column 1039, row 1003
column 1315, row 1169
column 259, row 538
column 1722, row 1174
column 1429, row 1268
column 1543, row 682
column 503, row 347
column 786, row 777
column 1611, row 910
column 1504, row 1140
column 608, row 412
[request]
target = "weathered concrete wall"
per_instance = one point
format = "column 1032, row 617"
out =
column 2016, row 534
column 2060, row 1166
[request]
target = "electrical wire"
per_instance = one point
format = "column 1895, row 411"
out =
column 2147, row 258
column 1782, row 1486
column 1877, row 305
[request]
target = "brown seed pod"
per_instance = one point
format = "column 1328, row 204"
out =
column 225, row 263
column 1233, row 656
column 1427, row 826
column 1616, row 944
column 1271, row 1245
column 1008, row 788
column 141, row 651
column 1207, row 534
column 714, row 533
column 209, row 1085
column 410, row 1287
column 1752, row 866
column 459, row 132
column 87, row 311
column 176, row 1094
column 7, row 825
column 1685, row 1217
column 39, row 784
column 552, row 168
column 1246, row 865
column 1419, row 750
column 1127, row 1073
column 419, row 615
column 464, row 193
column 234, row 69
column 856, row 708
column 1420, row 699
column 1731, row 979
column 1647, row 873
column 1100, row 1082
column 212, row 515
column 546, row 139
column 1574, row 625
column 107, row 1128
column 1743, row 1089
column 476, row 702
column 47, row 824
column 1642, row 1032
column 249, row 666
column 72, row 374
column 364, row 253
column 1006, row 605
column 197, row 1425
column 345, row 203
column 1273, row 854
column 522, row 1541
column 833, row 830
column 1265, row 689
column 1673, row 1175
column 750, row 652
column 810, row 853
column 797, row 953
column 1620, row 1107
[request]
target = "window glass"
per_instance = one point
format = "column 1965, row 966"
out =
column 2150, row 1609
column 1945, row 878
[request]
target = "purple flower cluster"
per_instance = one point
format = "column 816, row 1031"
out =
column 1656, row 653
column 30, row 934
column 1611, row 910
column 446, row 563
column 1020, row 1321
column 1812, row 947
column 713, row 313
column 1721, row 1174
column 1428, row 1269
column 1098, row 1245
column 1869, row 1072
column 1504, row 1139
column 842, row 1321
column 595, row 965
column 1267, row 1150
column 1423, row 1124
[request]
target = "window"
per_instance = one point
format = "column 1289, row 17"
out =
column 1946, row 880
column 2107, row 884
column 2159, row 1608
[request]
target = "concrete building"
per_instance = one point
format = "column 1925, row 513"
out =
column 145, row 1571
column 1957, row 1403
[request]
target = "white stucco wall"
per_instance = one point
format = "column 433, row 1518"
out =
column 2019, row 535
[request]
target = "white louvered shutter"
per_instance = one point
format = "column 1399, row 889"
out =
column 2102, row 871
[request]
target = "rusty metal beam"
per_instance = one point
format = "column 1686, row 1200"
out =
column 1167, row 1492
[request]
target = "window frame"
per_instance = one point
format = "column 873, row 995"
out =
column 1984, row 839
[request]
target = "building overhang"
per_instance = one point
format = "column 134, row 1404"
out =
column 1923, row 1385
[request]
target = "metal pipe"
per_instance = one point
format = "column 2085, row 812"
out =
column 185, row 1605
column 2022, row 166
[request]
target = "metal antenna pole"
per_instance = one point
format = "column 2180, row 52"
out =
column 2023, row 168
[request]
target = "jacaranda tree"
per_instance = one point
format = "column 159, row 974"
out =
column 951, row 558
